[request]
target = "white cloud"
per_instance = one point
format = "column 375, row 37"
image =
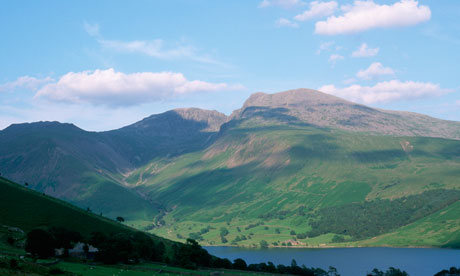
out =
column 318, row 9
column 283, row 22
column 281, row 3
column 366, row 15
column 388, row 91
column 156, row 48
column 91, row 29
column 376, row 69
column 365, row 51
column 334, row 58
column 110, row 88
column 324, row 46
column 349, row 81
column 26, row 82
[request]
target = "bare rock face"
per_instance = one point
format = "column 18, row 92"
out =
column 324, row 110
column 212, row 118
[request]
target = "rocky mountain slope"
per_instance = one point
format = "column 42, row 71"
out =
column 320, row 109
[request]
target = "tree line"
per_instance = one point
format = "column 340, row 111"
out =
column 138, row 247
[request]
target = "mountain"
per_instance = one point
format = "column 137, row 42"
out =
column 321, row 109
column 171, row 133
column 298, row 167
column 264, row 181
column 87, row 168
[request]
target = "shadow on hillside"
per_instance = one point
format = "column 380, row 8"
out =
column 159, row 136
column 376, row 156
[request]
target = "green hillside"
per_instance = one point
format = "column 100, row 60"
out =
column 87, row 168
column 270, row 180
column 26, row 209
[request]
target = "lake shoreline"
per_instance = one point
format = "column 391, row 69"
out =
column 349, row 261
column 330, row 246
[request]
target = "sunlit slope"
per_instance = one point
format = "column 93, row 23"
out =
column 281, row 174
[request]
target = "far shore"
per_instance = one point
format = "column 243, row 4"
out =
column 332, row 246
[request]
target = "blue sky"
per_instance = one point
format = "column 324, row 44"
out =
column 104, row 64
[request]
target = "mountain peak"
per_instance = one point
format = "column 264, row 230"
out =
column 325, row 110
column 295, row 97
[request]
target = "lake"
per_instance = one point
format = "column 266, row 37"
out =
column 350, row 261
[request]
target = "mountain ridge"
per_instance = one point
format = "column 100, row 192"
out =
column 325, row 110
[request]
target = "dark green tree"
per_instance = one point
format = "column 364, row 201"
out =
column 40, row 243
column 263, row 244
column 240, row 264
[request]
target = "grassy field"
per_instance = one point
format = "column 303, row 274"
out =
column 28, row 267
column 279, row 175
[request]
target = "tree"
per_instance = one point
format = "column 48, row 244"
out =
column 64, row 238
column 332, row 271
column 40, row 243
column 453, row 271
column 240, row 264
column 263, row 244
column 223, row 231
column 120, row 219
column 293, row 232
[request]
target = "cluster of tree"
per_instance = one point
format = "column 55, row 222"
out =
column 293, row 269
column 198, row 235
column 252, row 225
column 274, row 215
column 453, row 271
column 191, row 255
column 41, row 243
column 239, row 238
column 112, row 248
column 127, row 248
column 224, row 232
column 372, row 218
column 390, row 272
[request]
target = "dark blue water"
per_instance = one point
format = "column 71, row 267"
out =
column 350, row 261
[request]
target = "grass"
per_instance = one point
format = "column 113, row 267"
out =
column 26, row 209
column 253, row 174
column 28, row 267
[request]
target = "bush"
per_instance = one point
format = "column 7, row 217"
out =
column 453, row 271
column 122, row 247
column 56, row 271
column 239, row 264
column 10, row 240
column 263, row 244
column 224, row 231
column 13, row 264
column 337, row 239
column 40, row 243
column 302, row 236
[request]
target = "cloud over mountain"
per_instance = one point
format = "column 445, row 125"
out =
column 111, row 88
column 386, row 91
